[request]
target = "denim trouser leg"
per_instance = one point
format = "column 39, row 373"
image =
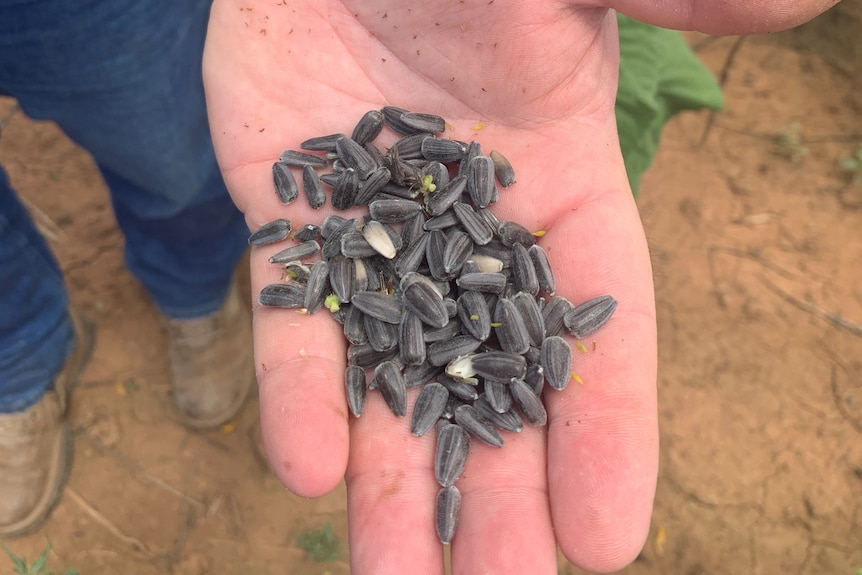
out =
column 123, row 80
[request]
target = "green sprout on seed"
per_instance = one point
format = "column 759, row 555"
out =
column 332, row 303
column 428, row 185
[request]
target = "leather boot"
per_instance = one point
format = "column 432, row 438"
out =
column 212, row 363
column 36, row 446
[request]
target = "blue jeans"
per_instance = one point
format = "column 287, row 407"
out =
column 123, row 80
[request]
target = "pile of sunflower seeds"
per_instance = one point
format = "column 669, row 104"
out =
column 431, row 288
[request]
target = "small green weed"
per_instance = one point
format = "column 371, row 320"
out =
column 853, row 164
column 320, row 545
column 37, row 567
column 789, row 142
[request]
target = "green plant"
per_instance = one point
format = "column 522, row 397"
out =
column 660, row 76
column 789, row 142
column 37, row 567
column 320, row 545
column 853, row 164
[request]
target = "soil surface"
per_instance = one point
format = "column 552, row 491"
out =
column 755, row 237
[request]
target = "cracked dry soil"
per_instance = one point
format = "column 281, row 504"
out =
column 757, row 261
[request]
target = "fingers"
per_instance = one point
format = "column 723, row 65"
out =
column 603, row 437
column 730, row 17
column 505, row 524
column 391, row 492
column 299, row 360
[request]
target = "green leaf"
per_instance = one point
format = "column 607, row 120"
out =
column 851, row 164
column 19, row 562
column 38, row 565
column 659, row 77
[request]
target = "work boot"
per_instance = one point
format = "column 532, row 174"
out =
column 212, row 363
column 36, row 446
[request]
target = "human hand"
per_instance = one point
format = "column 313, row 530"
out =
column 542, row 77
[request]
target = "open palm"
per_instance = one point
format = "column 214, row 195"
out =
column 541, row 78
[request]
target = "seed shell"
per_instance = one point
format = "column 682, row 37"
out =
column 512, row 233
column 544, row 273
column 530, row 403
column 556, row 360
column 285, row 184
column 318, row 286
column 511, row 331
column 321, row 143
column 382, row 306
column 467, row 417
column 368, row 127
column 447, row 508
column 586, row 318
column 428, row 408
column 480, row 180
column 297, row 252
column 392, row 386
column 502, row 169
column 411, row 343
column 442, row 352
column 301, row 159
column 498, row 395
column 342, row 277
column 453, row 446
column 355, row 384
column 282, row 295
column 274, row 231
column 307, row 232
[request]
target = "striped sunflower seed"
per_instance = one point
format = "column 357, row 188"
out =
column 321, row 143
column 282, row 295
column 532, row 316
column 480, row 180
column 392, row 211
column 440, row 150
column 354, row 324
column 301, row 159
column 535, row 378
column 556, row 360
column 430, row 123
column 420, row 374
column 448, row 508
column 459, row 248
column 442, row 352
column 392, row 117
column 422, row 298
column 467, row 417
column 440, row 200
column 354, row 245
column 529, row 403
column 507, row 421
column 474, row 314
column 512, row 233
column 411, row 343
column 274, row 231
column 453, row 445
column 523, row 271
column 382, row 306
column 392, row 385
column 381, row 335
column 499, row 365
column 474, row 149
column 297, row 252
column 462, row 389
column 342, row 277
column 554, row 314
column 544, row 273
column 502, row 169
column 355, row 156
column 498, row 395
column 585, row 319
column 482, row 282
column 285, row 184
column 439, row 174
column 428, row 408
column 307, row 232
column 345, row 190
column 318, row 287
column 472, row 223
column 366, row 357
column 510, row 329
column 368, row 127
column 355, row 384
column 448, row 331
column 372, row 185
